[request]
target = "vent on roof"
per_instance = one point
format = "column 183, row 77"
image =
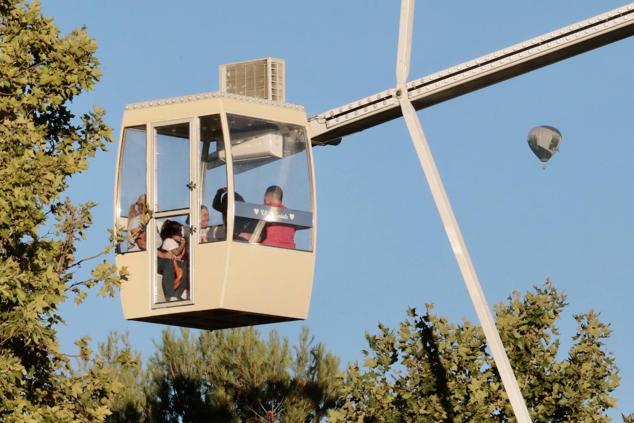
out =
column 262, row 78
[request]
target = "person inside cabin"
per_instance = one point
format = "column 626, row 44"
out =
column 210, row 233
column 136, row 227
column 172, row 261
column 204, row 231
column 243, row 227
column 277, row 234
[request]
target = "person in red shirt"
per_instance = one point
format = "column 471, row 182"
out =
column 277, row 234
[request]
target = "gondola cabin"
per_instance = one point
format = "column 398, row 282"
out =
column 215, row 211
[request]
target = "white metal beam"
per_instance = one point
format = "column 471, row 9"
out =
column 496, row 67
column 449, row 221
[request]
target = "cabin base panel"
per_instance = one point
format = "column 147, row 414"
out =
column 215, row 319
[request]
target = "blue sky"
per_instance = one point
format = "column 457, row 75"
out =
column 381, row 246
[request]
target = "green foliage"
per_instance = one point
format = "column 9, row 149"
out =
column 434, row 370
column 228, row 376
column 125, row 368
column 42, row 144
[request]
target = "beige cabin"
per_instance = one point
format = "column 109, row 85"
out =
column 215, row 208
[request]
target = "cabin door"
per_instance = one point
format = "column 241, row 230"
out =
column 173, row 192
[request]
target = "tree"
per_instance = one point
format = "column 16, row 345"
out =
column 229, row 376
column 124, row 366
column 434, row 370
column 42, row 145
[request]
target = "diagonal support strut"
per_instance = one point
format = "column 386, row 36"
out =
column 448, row 217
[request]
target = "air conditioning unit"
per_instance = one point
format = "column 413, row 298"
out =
column 265, row 146
column 261, row 78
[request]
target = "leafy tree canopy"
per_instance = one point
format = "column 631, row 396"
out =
column 42, row 144
column 433, row 370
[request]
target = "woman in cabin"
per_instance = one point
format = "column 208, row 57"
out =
column 205, row 231
column 172, row 261
column 136, row 226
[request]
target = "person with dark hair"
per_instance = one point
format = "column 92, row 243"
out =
column 277, row 234
column 171, row 261
column 243, row 226
column 173, row 239
column 274, row 194
column 220, row 202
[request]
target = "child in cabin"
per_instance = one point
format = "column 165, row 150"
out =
column 277, row 234
column 174, row 245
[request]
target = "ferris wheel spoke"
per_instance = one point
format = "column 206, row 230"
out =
column 448, row 217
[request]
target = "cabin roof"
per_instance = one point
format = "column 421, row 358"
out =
column 207, row 95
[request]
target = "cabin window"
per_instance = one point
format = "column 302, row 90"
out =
column 273, row 193
column 132, row 213
column 172, row 167
column 212, row 181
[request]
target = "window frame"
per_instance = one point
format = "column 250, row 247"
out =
column 119, row 220
column 310, row 175
column 197, row 171
column 190, row 211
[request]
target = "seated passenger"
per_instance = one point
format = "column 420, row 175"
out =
column 171, row 259
column 210, row 233
column 136, row 226
column 138, row 239
column 203, row 232
column 243, row 227
column 277, row 234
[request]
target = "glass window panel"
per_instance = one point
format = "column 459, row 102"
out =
column 132, row 202
column 172, row 167
column 213, row 180
column 272, row 183
column 172, row 260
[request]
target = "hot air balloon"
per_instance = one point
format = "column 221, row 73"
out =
column 544, row 140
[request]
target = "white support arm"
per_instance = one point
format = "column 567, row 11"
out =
column 479, row 73
column 448, row 217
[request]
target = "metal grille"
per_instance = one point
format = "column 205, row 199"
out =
column 262, row 78
column 277, row 81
